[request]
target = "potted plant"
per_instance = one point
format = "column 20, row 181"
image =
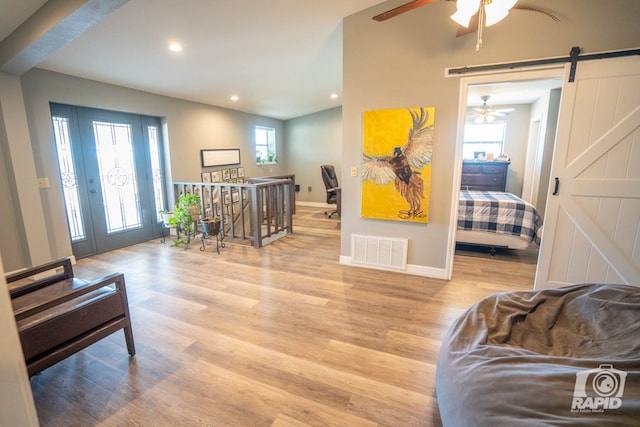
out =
column 166, row 215
column 271, row 157
column 187, row 208
column 210, row 226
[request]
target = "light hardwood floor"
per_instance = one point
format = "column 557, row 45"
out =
column 280, row 336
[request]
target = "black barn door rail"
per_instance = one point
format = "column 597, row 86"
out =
column 573, row 58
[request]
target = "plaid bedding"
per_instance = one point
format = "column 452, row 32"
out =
column 498, row 212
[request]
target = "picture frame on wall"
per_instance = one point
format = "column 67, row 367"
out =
column 381, row 131
column 206, row 176
column 240, row 172
column 220, row 157
column 215, row 176
column 234, row 173
column 225, row 174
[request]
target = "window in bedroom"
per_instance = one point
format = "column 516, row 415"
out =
column 265, row 145
column 484, row 137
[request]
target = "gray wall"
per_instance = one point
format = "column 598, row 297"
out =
column 311, row 141
column 25, row 240
column 515, row 145
column 401, row 63
column 188, row 126
column 11, row 243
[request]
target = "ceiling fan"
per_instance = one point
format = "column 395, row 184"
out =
column 471, row 15
column 486, row 113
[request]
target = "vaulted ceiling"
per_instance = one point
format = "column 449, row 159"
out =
column 281, row 58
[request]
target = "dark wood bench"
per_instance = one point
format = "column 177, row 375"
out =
column 59, row 315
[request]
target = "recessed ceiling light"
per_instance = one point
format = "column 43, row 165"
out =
column 334, row 96
column 175, row 47
column 234, row 97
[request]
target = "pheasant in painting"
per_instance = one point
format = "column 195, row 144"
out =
column 403, row 164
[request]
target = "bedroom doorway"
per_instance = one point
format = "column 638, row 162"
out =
column 528, row 102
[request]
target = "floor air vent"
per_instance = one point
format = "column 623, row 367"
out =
column 380, row 252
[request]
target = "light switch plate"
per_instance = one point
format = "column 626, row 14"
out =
column 354, row 171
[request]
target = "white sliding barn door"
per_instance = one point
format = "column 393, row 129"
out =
column 592, row 226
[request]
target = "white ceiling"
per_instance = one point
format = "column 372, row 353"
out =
column 283, row 58
column 511, row 93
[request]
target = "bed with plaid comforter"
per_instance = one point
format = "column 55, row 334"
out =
column 497, row 212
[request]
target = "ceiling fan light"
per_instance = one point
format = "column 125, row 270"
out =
column 461, row 18
column 494, row 14
column 465, row 10
column 506, row 4
column 497, row 10
column 468, row 6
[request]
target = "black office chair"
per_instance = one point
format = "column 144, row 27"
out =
column 334, row 192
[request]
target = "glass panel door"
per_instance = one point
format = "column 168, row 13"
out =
column 111, row 174
column 118, row 178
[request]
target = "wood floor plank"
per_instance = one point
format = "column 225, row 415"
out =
column 278, row 336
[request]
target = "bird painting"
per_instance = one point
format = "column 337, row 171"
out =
column 404, row 162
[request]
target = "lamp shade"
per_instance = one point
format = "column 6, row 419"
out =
column 497, row 10
column 465, row 9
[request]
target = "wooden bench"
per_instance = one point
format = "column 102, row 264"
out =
column 59, row 315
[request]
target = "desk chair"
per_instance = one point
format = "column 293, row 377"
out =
column 334, row 192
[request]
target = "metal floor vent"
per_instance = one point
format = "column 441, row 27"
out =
column 381, row 252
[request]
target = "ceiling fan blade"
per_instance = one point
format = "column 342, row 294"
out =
column 401, row 9
column 505, row 110
column 537, row 9
column 472, row 28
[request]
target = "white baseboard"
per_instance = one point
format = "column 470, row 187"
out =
column 315, row 204
column 414, row 270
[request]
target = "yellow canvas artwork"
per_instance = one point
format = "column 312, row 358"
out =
column 396, row 164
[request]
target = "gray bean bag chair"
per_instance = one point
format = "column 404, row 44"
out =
column 556, row 357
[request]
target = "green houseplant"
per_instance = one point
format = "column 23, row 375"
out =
column 185, row 211
column 271, row 157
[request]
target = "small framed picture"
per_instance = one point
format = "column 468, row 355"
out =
column 206, row 176
column 480, row 155
column 240, row 172
column 215, row 176
column 234, row 173
column 226, row 174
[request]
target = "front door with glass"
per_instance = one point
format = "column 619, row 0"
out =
column 110, row 166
